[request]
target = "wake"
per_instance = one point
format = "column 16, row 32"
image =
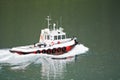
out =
column 16, row 61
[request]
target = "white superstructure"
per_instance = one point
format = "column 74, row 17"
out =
column 52, row 36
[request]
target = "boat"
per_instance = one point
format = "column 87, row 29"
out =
column 53, row 41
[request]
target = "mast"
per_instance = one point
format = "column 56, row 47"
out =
column 48, row 21
column 61, row 21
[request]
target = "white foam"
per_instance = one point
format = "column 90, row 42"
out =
column 17, row 61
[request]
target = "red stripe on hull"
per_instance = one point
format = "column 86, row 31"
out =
column 54, row 51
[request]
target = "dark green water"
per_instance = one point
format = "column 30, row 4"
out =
column 96, row 24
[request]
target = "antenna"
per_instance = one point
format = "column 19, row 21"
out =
column 60, row 21
column 57, row 25
column 48, row 21
column 54, row 26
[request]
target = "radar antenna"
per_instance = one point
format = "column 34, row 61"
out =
column 48, row 21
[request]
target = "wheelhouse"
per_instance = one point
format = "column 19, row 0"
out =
column 53, row 34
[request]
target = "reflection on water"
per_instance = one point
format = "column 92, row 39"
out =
column 54, row 69
column 49, row 69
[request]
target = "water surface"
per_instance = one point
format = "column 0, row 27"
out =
column 95, row 24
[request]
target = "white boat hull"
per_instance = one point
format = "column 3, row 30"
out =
column 56, row 49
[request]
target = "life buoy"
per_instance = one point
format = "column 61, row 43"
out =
column 43, row 51
column 38, row 51
column 59, row 49
column 53, row 50
column 64, row 49
column 49, row 51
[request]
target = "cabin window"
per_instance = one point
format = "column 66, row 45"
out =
column 63, row 36
column 59, row 36
column 55, row 37
column 45, row 37
column 48, row 37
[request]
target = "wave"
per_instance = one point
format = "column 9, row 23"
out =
column 16, row 61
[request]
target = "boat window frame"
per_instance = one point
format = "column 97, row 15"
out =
column 48, row 37
column 55, row 37
column 63, row 36
column 59, row 37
